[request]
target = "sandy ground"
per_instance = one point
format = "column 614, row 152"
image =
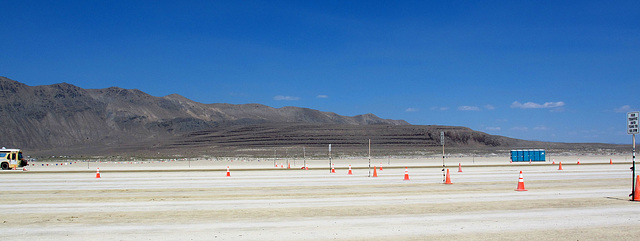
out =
column 182, row 200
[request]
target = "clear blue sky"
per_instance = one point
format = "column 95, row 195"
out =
column 564, row 71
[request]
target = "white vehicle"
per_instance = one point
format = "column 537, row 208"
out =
column 11, row 158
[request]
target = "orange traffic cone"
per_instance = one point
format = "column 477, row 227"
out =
column 636, row 193
column 448, row 179
column 288, row 165
column 554, row 162
column 610, row 162
column 306, row 168
column 98, row 173
column 406, row 174
column 228, row 173
column 350, row 173
column 529, row 161
column 578, row 161
column 375, row 174
column 281, row 165
column 381, row 166
column 521, row 183
column 333, row 170
column 560, row 166
column 459, row 167
column 510, row 161
column 24, row 169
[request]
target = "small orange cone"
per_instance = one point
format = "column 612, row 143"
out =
column 333, row 170
column 610, row 162
column 228, row 173
column 281, row 165
column 381, row 166
column 98, row 173
column 578, row 161
column 406, row 174
column 350, row 173
column 24, row 169
column 510, row 161
column 288, row 165
column 306, row 168
column 448, row 179
column 560, row 166
column 375, row 173
column 521, row 183
column 636, row 193
column 554, row 161
column 529, row 161
column 459, row 167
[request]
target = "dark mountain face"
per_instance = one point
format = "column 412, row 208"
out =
column 63, row 119
column 64, row 115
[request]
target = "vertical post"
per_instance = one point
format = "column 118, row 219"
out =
column 304, row 157
column 633, row 177
column 369, row 157
column 330, row 164
column 443, row 167
column 275, row 157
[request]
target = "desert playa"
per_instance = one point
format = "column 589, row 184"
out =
column 196, row 200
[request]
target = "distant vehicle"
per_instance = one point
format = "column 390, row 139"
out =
column 11, row 158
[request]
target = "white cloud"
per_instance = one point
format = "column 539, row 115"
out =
column 468, row 108
column 623, row 109
column 439, row 108
column 493, row 128
column 287, row 98
column 519, row 128
column 531, row 105
column 541, row 128
column 412, row 110
column 322, row 96
column 489, row 107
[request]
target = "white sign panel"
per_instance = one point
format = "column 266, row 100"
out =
column 632, row 122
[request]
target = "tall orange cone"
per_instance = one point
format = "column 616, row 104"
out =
column 350, row 173
column 636, row 193
column 333, row 170
column 521, row 183
column 406, row 174
column 610, row 161
column 288, row 165
column 560, row 166
column 98, row 173
column 459, row 167
column 448, row 179
column 375, row 173
column 228, row 173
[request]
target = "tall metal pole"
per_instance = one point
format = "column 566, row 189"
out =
column 443, row 167
column 330, row 164
column 369, row 157
column 633, row 168
column 304, row 157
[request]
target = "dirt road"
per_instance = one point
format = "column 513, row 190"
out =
column 581, row 202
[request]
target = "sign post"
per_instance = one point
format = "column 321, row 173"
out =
column 632, row 128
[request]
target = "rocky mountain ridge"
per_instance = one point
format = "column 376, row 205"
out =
column 64, row 115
